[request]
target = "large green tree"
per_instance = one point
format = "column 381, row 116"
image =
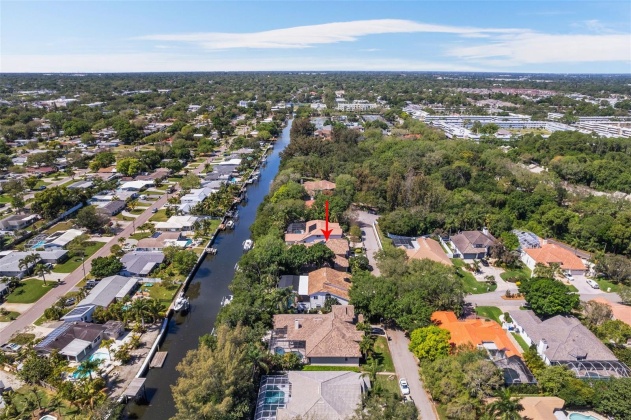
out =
column 549, row 297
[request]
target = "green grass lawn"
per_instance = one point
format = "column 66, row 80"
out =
column 519, row 274
column 10, row 316
column 60, row 226
column 471, row 285
column 382, row 355
column 41, row 183
column 521, row 341
column 606, row 284
column 389, row 385
column 313, row 368
column 161, row 293
column 22, row 338
column 74, row 262
column 138, row 210
column 160, row 216
column 140, row 235
column 572, row 288
column 5, row 198
column 29, row 291
column 491, row 312
column 72, row 181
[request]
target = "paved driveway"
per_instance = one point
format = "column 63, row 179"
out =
column 371, row 243
column 407, row 367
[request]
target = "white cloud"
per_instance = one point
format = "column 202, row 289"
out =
column 537, row 48
column 310, row 35
column 103, row 63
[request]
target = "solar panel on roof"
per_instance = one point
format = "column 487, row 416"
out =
column 155, row 235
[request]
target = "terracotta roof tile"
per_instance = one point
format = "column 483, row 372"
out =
column 328, row 280
column 551, row 253
column 429, row 249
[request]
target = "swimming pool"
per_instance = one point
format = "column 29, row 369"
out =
column 274, row 397
column 38, row 245
column 580, row 416
column 100, row 355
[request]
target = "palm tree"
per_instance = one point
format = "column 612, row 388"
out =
column 148, row 226
column 121, row 240
column 108, row 343
column 132, row 204
column 28, row 261
column 139, row 309
column 42, row 270
column 88, row 366
column 505, row 407
column 371, row 371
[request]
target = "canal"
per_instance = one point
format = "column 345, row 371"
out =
column 205, row 292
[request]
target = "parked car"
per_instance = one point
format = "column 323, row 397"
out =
column 154, row 210
column 40, row 188
column 569, row 276
column 593, row 284
column 377, row 331
column 70, row 301
column 403, row 385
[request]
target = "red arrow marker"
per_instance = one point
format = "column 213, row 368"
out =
column 326, row 231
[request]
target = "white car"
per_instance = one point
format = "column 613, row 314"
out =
column 593, row 284
column 403, row 385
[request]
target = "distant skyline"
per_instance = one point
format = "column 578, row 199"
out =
column 481, row 36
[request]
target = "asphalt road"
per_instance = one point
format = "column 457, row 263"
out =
column 407, row 367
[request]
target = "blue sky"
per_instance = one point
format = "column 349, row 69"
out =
column 131, row 36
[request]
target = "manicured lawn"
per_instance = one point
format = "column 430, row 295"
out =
column 22, row 338
column 471, row 285
column 41, row 183
column 60, row 226
column 313, row 368
column 5, row 198
column 72, row 181
column 491, row 312
column 10, row 316
column 389, row 384
column 521, row 341
column 606, row 284
column 29, row 291
column 160, row 216
column 138, row 210
column 140, row 235
column 572, row 288
column 74, row 262
column 382, row 355
column 519, row 274
column 161, row 293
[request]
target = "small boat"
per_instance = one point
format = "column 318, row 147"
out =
column 248, row 244
column 181, row 303
column 230, row 224
column 226, row 300
column 211, row 251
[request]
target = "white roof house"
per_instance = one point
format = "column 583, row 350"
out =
column 177, row 224
column 196, row 195
column 135, row 185
column 234, row 161
column 60, row 241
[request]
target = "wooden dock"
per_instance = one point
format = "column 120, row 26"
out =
column 158, row 359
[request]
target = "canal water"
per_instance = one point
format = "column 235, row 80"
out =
column 205, row 292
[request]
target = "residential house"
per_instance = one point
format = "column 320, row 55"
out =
column 60, row 239
column 18, row 221
column 140, row 264
column 564, row 341
column 111, row 208
column 620, row 312
column 80, row 185
column 135, row 186
column 319, row 339
column 315, row 187
column 177, row 224
column 10, row 261
column 42, row 170
column 113, row 196
column 74, row 340
column 108, row 290
column 527, row 239
column 472, row 244
column 553, row 254
column 314, row 288
column 542, row 408
column 160, row 240
column 311, row 231
column 158, row 174
column 195, row 196
column 311, row 395
column 490, row 337
column 428, row 249
column 341, row 250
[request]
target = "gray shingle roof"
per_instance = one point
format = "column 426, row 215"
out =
column 108, row 290
column 566, row 337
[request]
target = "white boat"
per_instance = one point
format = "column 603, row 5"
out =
column 226, row 300
column 248, row 244
column 230, row 224
column 181, row 303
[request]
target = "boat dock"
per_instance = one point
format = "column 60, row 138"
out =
column 158, row 359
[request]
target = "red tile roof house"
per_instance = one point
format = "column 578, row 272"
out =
column 42, row 170
column 320, row 339
column 314, row 187
column 311, row 231
column 552, row 253
column 341, row 250
column 314, row 288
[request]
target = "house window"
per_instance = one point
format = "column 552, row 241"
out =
column 315, row 297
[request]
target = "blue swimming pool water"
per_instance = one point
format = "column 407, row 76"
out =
column 38, row 245
column 579, row 416
column 274, row 397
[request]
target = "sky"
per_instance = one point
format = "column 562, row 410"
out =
column 543, row 36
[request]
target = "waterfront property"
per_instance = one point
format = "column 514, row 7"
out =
column 310, row 395
column 74, row 340
column 177, row 224
column 315, row 288
column 311, row 231
column 319, row 339
column 160, row 240
column 108, row 290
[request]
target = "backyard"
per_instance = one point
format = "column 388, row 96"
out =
column 75, row 262
column 29, row 291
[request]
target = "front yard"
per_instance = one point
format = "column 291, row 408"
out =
column 29, row 291
column 471, row 285
column 515, row 275
column 160, row 216
column 75, row 262
column 490, row 312
column 382, row 355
